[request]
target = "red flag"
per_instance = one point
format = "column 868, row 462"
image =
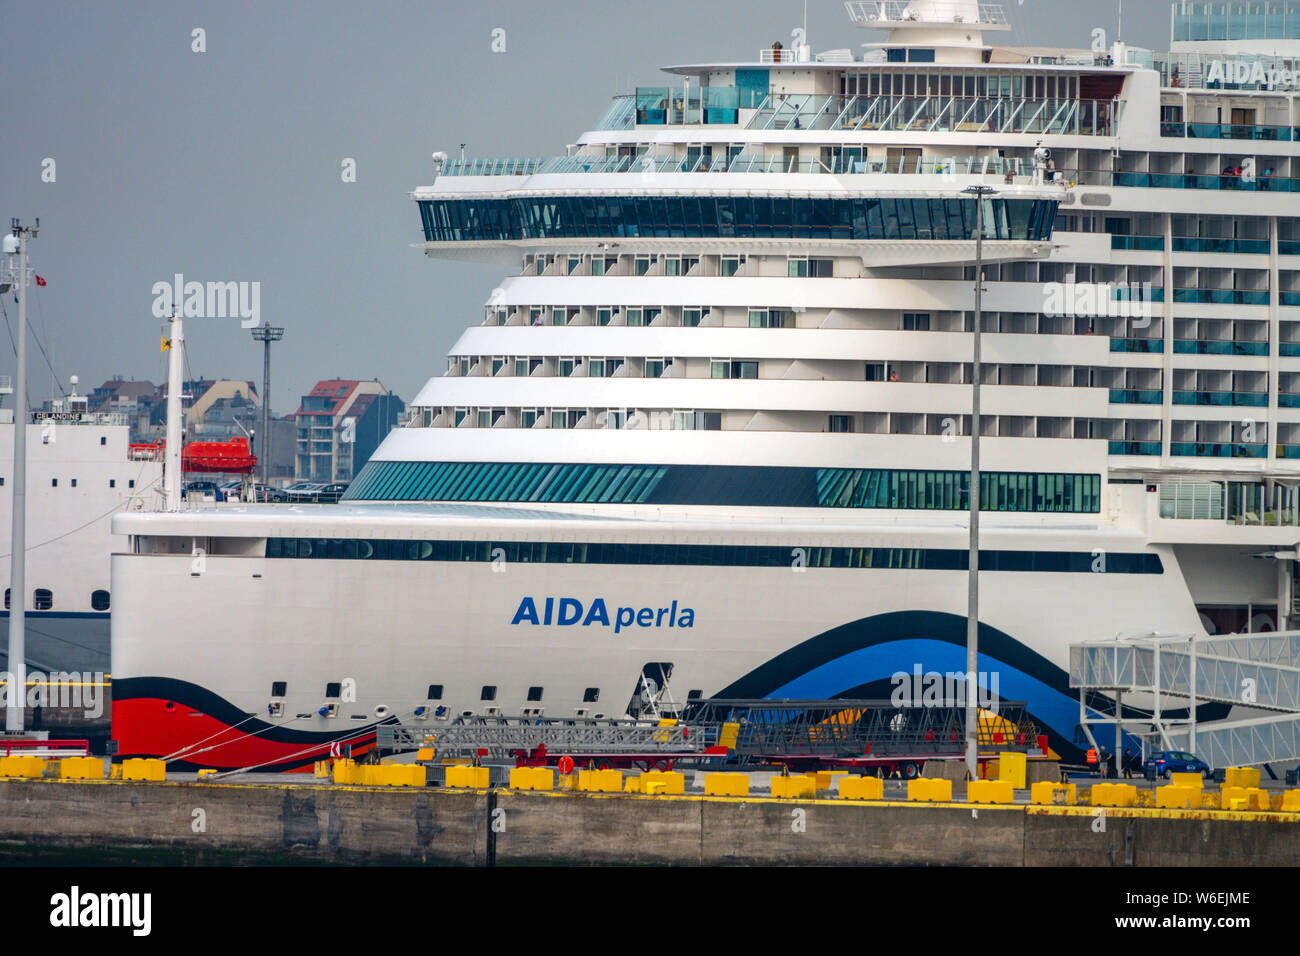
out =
column 39, row 280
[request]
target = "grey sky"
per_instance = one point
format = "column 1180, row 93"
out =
column 225, row 165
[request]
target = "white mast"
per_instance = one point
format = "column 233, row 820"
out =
column 172, row 459
column 16, row 695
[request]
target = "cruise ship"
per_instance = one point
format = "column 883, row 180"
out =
column 710, row 436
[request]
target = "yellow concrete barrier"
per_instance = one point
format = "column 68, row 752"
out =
column 600, row 781
column 1178, row 797
column 1291, row 801
column 532, row 778
column 1011, row 769
column 663, row 781
column 726, row 784
column 1245, row 777
column 81, row 768
column 22, row 766
column 321, row 768
column 862, row 788
column 473, row 778
column 1046, row 794
column 345, row 771
column 566, row 781
column 1114, row 795
column 794, row 787
column 930, row 790
column 990, row 791
column 1243, row 798
column 115, row 772
column 1193, row 780
column 138, row 768
column 408, row 775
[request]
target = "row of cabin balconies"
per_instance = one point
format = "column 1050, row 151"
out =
column 879, row 423
column 694, row 265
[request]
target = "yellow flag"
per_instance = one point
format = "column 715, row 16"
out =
column 165, row 344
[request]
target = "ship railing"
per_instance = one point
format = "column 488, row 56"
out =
column 946, row 114
column 487, row 166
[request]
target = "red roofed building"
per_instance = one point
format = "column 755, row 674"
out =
column 340, row 424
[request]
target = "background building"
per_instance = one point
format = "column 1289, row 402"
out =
column 340, row 423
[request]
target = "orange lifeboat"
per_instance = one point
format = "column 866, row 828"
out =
column 233, row 456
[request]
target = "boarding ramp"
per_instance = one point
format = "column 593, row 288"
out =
column 497, row 738
column 860, row 731
column 856, row 732
column 1258, row 672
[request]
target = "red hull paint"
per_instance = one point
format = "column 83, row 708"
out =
column 148, row 727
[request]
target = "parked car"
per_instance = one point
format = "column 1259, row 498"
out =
column 203, row 491
column 269, row 493
column 1166, row 762
column 302, row 491
column 330, row 494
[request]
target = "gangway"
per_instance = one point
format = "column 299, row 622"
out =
column 1258, row 672
column 784, row 732
column 862, row 732
column 536, row 740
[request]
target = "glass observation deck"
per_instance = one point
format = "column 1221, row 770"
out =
column 837, row 160
column 844, row 160
column 756, row 109
column 742, row 217
column 1198, row 22
column 938, row 114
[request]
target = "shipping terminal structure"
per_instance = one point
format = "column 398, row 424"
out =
column 709, row 438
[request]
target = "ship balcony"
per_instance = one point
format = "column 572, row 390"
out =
column 1121, row 447
column 1152, row 344
column 1199, row 243
column 1136, row 396
column 1228, row 131
column 1202, row 449
column 1218, row 347
column 1239, row 399
column 1229, row 512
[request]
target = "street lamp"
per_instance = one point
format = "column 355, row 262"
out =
column 266, row 334
column 980, row 192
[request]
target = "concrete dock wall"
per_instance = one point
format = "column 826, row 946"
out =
column 110, row 821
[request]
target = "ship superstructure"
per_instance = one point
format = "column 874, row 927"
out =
column 729, row 374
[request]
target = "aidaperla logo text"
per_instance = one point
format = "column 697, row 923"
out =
column 570, row 612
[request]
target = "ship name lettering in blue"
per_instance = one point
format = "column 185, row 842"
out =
column 568, row 611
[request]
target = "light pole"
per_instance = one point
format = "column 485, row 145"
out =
column 266, row 334
column 980, row 193
column 15, row 245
